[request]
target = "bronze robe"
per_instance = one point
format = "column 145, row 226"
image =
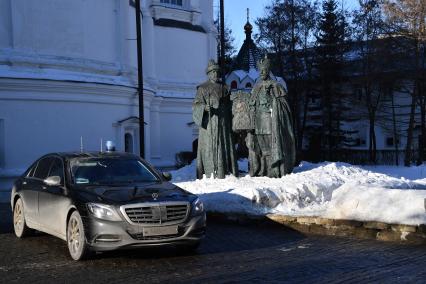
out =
column 216, row 152
column 273, row 131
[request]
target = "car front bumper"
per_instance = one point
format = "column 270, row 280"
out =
column 102, row 235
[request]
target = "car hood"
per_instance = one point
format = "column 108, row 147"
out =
column 119, row 195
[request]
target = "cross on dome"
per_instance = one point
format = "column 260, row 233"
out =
column 248, row 27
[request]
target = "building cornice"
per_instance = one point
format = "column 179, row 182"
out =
column 49, row 90
column 19, row 64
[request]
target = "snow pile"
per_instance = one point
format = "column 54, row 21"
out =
column 332, row 190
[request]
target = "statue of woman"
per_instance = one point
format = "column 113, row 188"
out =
column 212, row 113
column 271, row 145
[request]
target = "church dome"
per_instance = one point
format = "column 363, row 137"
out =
column 248, row 28
column 249, row 54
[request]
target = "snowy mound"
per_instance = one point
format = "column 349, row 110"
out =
column 331, row 190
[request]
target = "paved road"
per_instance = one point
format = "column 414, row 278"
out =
column 230, row 253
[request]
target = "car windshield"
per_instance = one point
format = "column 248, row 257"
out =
column 109, row 171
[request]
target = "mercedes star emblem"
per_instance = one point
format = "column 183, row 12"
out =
column 154, row 195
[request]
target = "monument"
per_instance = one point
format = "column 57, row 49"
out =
column 212, row 112
column 267, row 120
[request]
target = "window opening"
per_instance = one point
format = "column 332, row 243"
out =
column 234, row 85
column 172, row 2
column 128, row 143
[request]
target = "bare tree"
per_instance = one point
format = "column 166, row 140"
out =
column 406, row 19
column 287, row 30
column 368, row 29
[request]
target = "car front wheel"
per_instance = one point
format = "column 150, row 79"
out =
column 76, row 238
column 19, row 225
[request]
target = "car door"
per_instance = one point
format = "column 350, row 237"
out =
column 29, row 195
column 53, row 201
column 34, row 186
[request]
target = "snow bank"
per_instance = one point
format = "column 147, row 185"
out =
column 331, row 190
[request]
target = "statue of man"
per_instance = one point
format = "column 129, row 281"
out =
column 271, row 145
column 212, row 113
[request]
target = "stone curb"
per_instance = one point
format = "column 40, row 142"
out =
column 334, row 227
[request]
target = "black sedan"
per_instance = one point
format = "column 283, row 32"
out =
column 105, row 201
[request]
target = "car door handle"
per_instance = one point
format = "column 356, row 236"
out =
column 24, row 183
column 43, row 187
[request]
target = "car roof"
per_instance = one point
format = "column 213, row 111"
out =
column 71, row 155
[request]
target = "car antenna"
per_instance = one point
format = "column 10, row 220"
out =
column 81, row 144
column 101, row 145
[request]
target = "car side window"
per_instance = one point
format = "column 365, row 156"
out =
column 57, row 169
column 31, row 170
column 43, row 167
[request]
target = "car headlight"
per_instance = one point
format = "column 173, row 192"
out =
column 197, row 207
column 103, row 211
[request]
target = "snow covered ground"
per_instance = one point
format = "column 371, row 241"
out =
column 332, row 190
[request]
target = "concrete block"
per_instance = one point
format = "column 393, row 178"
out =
column 282, row 219
column 376, row 225
column 348, row 223
column 306, row 220
column 421, row 228
column 389, row 236
column 404, row 228
column 325, row 222
column 415, row 238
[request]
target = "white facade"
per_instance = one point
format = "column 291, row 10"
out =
column 68, row 70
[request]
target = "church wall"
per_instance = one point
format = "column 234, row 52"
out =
column 53, row 117
column 58, row 115
column 79, row 30
column 5, row 24
column 176, row 130
column 185, row 60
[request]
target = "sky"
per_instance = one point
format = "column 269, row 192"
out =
column 236, row 15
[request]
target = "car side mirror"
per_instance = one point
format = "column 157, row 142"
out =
column 167, row 176
column 53, row 180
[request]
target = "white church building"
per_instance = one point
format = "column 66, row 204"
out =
column 68, row 71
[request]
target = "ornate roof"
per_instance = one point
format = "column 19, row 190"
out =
column 249, row 53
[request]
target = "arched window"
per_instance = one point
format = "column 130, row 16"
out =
column 234, row 84
column 248, row 85
column 128, row 143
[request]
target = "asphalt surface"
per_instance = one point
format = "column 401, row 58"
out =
column 265, row 253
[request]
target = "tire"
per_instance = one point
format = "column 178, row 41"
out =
column 76, row 238
column 19, row 225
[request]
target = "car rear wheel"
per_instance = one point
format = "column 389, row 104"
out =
column 76, row 238
column 19, row 225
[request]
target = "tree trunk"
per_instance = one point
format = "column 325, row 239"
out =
column 372, row 140
column 395, row 135
column 408, row 148
column 304, row 118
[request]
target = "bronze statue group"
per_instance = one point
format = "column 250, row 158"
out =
column 263, row 115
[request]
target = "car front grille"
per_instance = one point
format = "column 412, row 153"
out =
column 156, row 213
